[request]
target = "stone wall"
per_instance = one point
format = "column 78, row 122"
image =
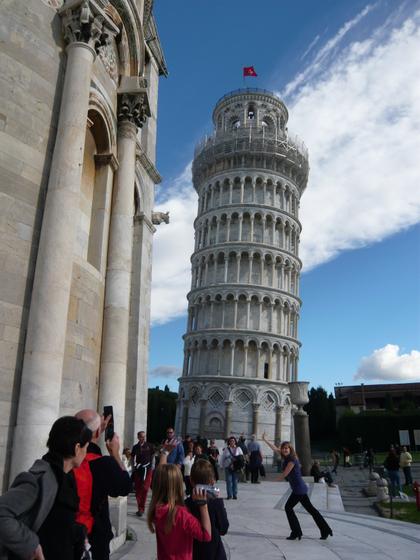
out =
column 31, row 76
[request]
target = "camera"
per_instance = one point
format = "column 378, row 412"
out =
column 211, row 491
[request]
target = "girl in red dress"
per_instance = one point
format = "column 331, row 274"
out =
column 174, row 525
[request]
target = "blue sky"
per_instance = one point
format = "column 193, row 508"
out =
column 350, row 77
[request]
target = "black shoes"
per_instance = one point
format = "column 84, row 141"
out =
column 139, row 513
column 325, row 534
column 294, row 536
column 235, row 497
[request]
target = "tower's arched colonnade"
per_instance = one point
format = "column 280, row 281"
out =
column 241, row 346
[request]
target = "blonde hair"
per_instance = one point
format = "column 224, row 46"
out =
column 168, row 489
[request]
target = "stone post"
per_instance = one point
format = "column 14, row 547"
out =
column 184, row 421
column 299, row 397
column 228, row 418
column 132, row 111
column 86, row 27
column 278, row 426
column 255, row 417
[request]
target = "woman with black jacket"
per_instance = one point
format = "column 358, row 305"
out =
column 37, row 514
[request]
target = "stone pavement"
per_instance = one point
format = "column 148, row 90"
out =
column 258, row 529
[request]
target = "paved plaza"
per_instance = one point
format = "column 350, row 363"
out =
column 258, row 529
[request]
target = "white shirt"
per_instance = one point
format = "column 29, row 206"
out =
column 188, row 463
column 226, row 457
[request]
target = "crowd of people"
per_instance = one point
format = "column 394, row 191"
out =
column 59, row 508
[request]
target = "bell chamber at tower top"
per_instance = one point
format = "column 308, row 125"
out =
column 250, row 132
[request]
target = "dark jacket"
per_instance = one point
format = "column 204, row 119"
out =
column 213, row 550
column 24, row 508
column 60, row 536
column 108, row 480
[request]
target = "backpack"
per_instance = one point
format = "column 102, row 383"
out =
column 84, row 483
column 238, row 462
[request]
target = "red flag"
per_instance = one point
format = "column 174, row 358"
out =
column 249, row 71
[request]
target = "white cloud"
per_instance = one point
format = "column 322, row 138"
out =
column 359, row 115
column 173, row 246
column 387, row 364
column 166, row 372
column 323, row 54
column 361, row 122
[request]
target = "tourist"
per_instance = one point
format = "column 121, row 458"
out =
column 213, row 453
column 243, row 474
column 255, row 459
column 292, row 473
column 174, row 525
column 126, row 459
column 232, row 460
column 188, row 463
column 346, row 457
column 405, row 463
column 143, row 463
column 37, row 514
column 335, row 459
column 202, row 474
column 176, row 455
column 321, row 476
column 186, row 442
column 199, row 452
column 107, row 476
column 392, row 465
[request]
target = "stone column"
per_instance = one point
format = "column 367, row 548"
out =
column 86, row 28
column 228, row 219
column 240, row 218
column 238, row 268
column 277, row 426
column 255, row 416
column 228, row 418
column 139, row 332
column 232, row 357
column 299, row 397
column 250, row 260
column 245, row 359
column 201, row 428
column 132, row 111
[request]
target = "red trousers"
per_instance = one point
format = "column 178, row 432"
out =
column 142, row 487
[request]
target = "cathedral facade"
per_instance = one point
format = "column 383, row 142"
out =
column 241, row 346
column 77, row 142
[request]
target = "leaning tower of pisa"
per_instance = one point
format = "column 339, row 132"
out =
column 241, row 345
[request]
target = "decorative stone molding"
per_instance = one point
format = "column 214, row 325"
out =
column 133, row 102
column 109, row 56
column 147, row 164
column 107, row 159
column 141, row 217
column 84, row 21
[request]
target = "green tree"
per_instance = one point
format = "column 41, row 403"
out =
column 161, row 411
column 321, row 410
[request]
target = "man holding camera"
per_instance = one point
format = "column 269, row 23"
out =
column 97, row 478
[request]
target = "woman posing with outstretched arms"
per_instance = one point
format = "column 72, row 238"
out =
column 292, row 473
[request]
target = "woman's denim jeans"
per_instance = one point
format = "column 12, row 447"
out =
column 231, row 483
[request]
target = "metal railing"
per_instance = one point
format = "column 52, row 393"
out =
column 245, row 91
column 254, row 139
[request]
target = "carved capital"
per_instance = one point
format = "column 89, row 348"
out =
column 133, row 107
column 133, row 102
column 84, row 21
